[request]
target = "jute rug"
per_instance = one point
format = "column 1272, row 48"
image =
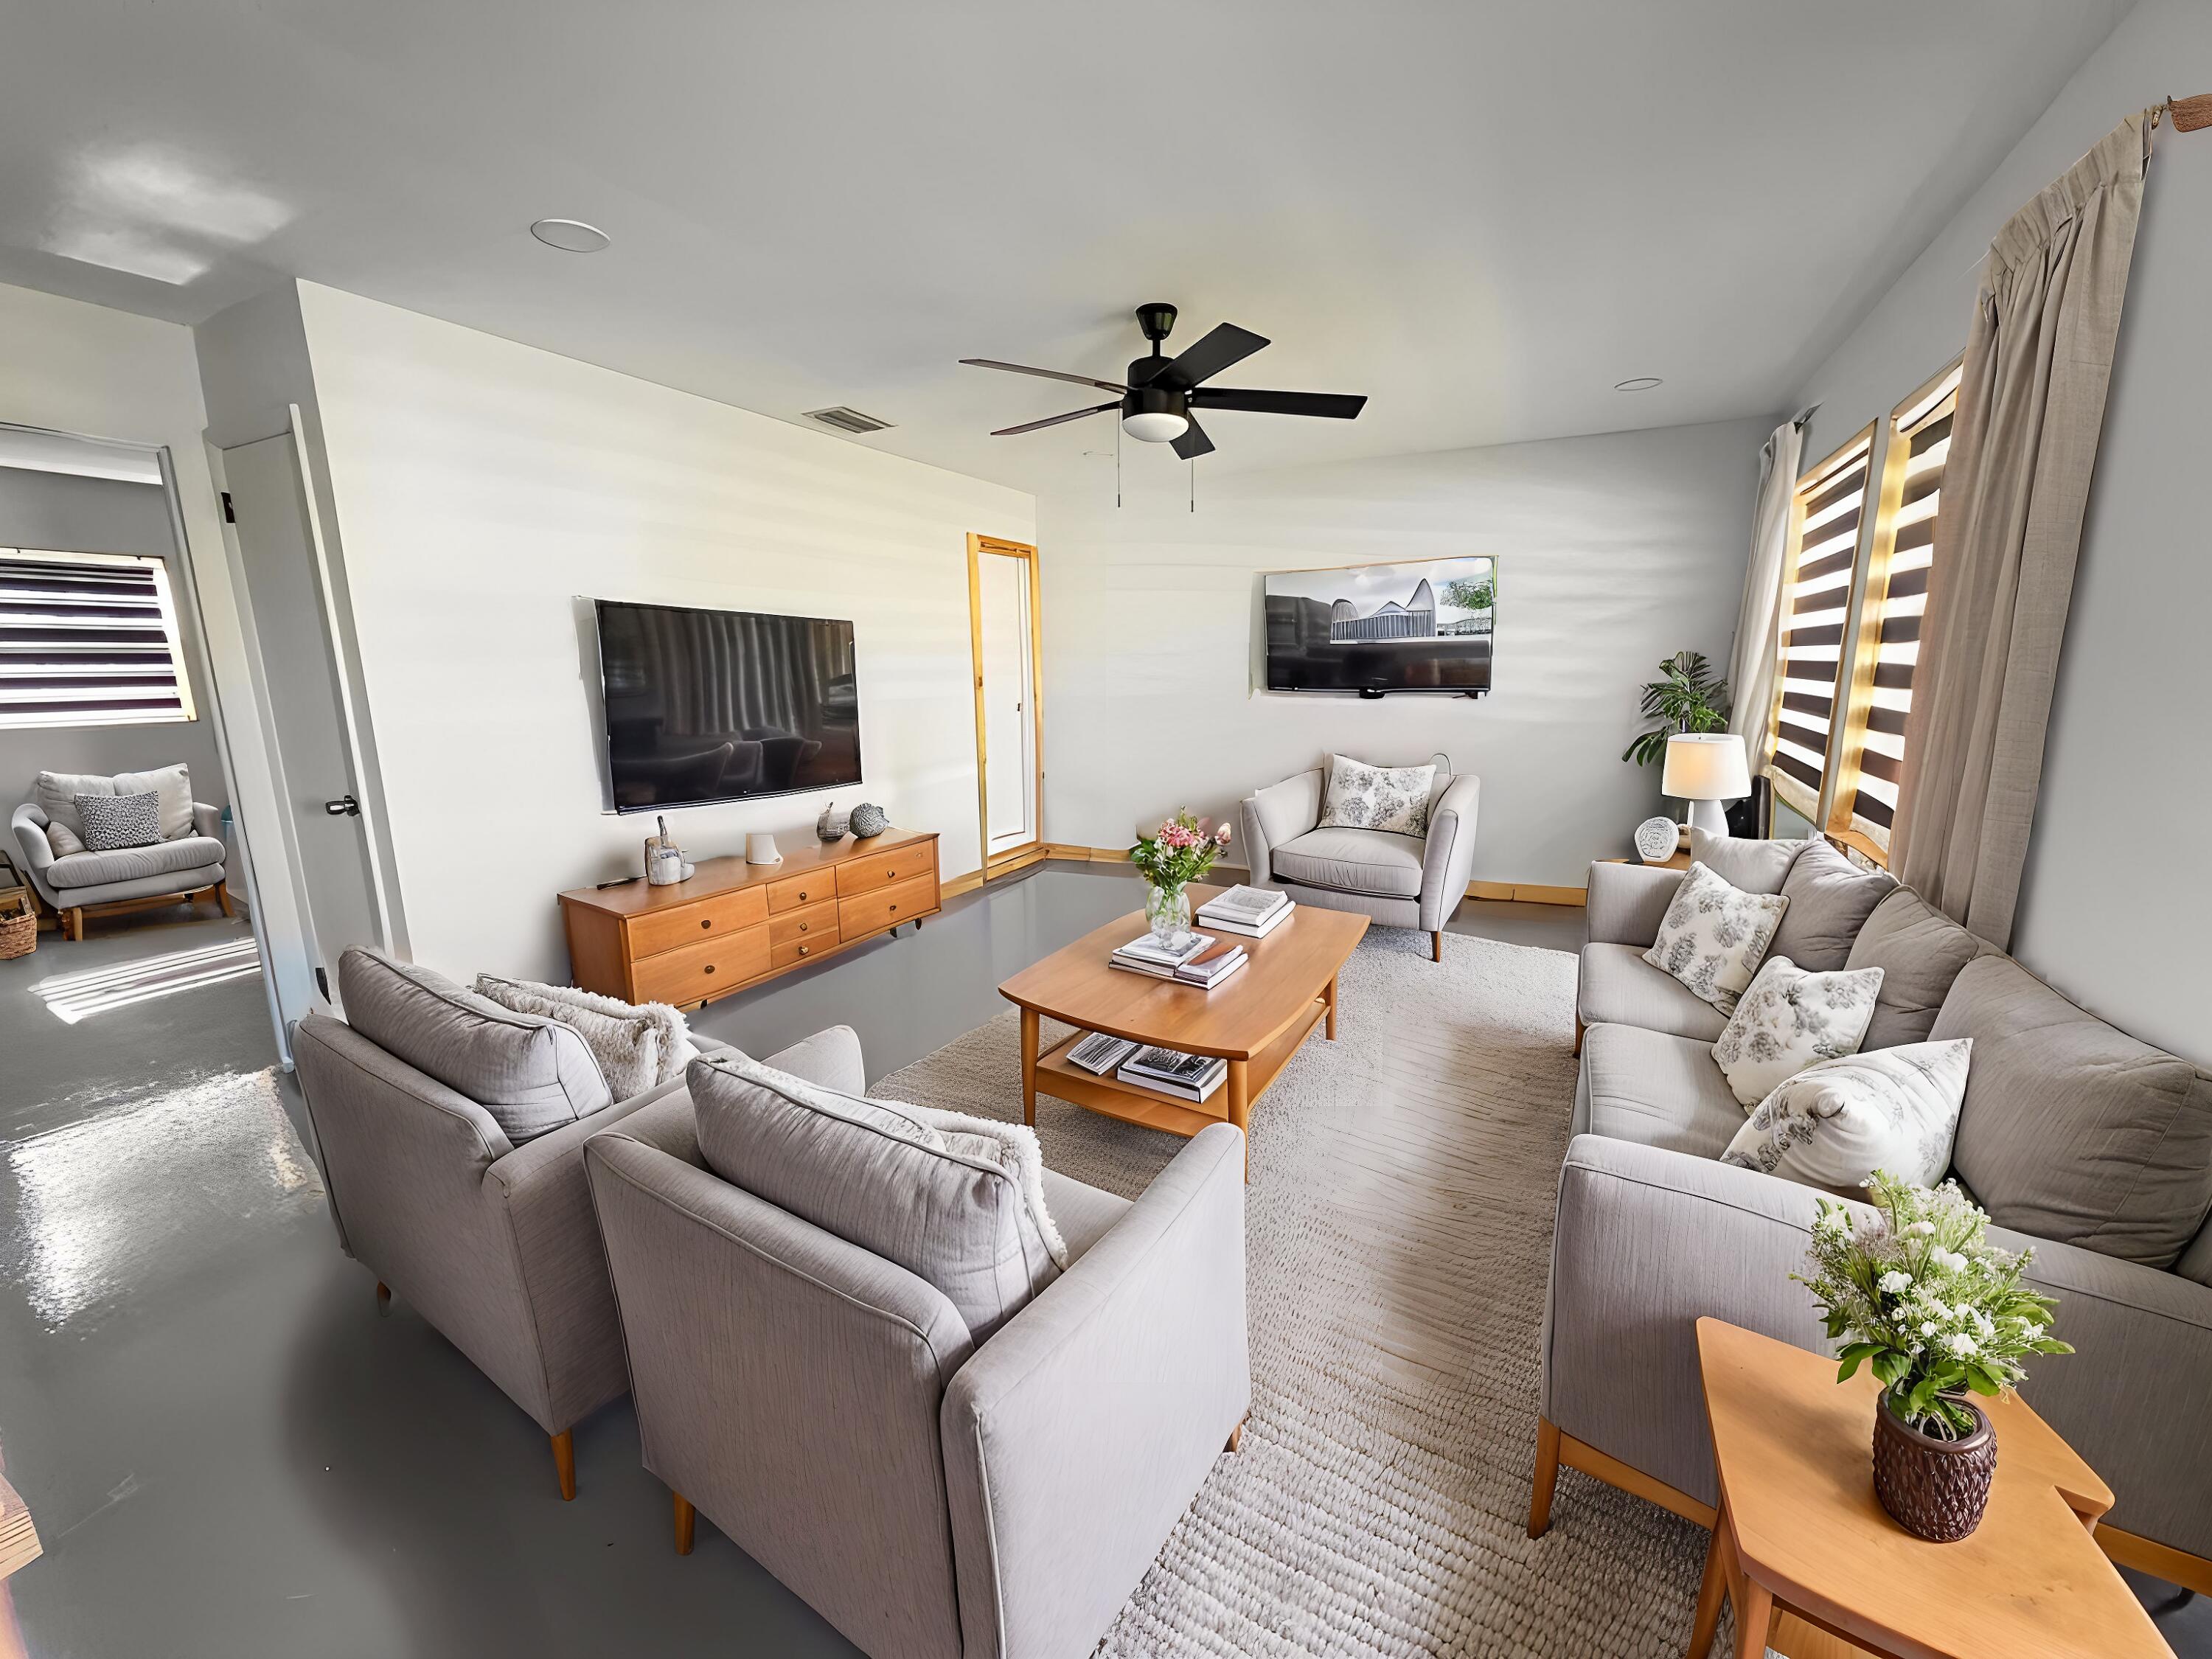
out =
column 1397, row 1235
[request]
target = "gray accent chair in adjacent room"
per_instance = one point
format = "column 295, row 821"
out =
column 173, row 871
column 932, row 1484
column 2091, row 1147
column 451, row 1136
column 1401, row 881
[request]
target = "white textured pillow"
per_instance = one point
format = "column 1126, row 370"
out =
column 1715, row 935
column 1791, row 1018
column 1834, row 1124
column 1392, row 798
column 638, row 1046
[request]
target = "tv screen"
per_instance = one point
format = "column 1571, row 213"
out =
column 724, row 705
column 1377, row 629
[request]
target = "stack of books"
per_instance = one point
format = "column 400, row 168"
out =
column 1254, row 912
column 1189, row 1077
column 1200, row 960
column 1099, row 1054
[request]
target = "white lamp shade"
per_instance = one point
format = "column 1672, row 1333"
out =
column 1707, row 766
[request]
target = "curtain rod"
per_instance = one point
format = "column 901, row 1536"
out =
column 2192, row 113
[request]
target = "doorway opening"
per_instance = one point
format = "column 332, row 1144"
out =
column 1004, row 598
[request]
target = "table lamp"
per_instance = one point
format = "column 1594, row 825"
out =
column 1706, row 769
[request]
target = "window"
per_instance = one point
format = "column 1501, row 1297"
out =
column 1887, row 647
column 88, row 639
column 1816, row 598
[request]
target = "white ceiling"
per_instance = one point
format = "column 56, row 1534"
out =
column 1480, row 215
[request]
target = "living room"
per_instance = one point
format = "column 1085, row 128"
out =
column 472, row 383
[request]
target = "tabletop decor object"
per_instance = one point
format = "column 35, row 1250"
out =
column 1706, row 769
column 1937, row 1313
column 761, row 849
column 1181, row 851
column 868, row 819
column 665, row 863
column 832, row 825
column 1654, row 839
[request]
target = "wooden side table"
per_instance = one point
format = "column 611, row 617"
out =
column 1801, row 1531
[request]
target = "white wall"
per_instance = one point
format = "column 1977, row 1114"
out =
column 482, row 486
column 2118, row 891
column 1613, row 552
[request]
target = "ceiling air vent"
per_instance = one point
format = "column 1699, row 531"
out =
column 848, row 420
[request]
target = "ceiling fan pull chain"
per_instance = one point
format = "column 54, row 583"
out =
column 1117, row 464
column 1193, row 484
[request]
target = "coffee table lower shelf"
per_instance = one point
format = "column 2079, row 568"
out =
column 1111, row 1097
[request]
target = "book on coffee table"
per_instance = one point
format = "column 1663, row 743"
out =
column 1146, row 955
column 1209, row 968
column 1254, row 912
column 1100, row 1054
column 1190, row 1077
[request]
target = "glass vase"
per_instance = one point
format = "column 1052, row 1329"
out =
column 1168, row 910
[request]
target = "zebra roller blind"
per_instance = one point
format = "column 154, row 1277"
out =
column 1888, row 647
column 1815, row 606
column 87, row 639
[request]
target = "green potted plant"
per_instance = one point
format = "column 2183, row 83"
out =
column 1181, row 851
column 1687, row 697
column 1939, row 1315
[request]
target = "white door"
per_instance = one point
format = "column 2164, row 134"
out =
column 1009, row 703
column 307, row 705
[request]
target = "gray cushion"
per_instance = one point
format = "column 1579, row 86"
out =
column 1657, row 1090
column 56, row 793
column 1830, row 899
column 1618, row 987
column 1756, row 866
column 530, row 1073
column 135, row 863
column 2197, row 1261
column 172, row 884
column 1083, row 1214
column 2074, row 1130
column 876, row 1177
column 1354, row 861
column 174, row 784
column 1920, row 951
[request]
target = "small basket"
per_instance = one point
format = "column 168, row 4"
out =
column 19, row 923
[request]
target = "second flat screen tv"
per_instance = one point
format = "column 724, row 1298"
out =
column 1378, row 630
column 707, row 706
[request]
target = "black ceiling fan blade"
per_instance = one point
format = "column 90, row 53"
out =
column 1225, row 345
column 1194, row 442
column 1053, row 420
column 1330, row 405
column 1046, row 373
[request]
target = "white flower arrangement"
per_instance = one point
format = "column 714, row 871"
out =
column 1931, row 1307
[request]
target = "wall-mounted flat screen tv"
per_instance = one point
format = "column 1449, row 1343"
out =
column 1378, row 630
column 724, row 705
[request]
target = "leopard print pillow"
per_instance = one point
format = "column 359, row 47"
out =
column 1715, row 936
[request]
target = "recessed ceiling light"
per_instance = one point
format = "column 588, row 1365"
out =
column 1641, row 383
column 570, row 235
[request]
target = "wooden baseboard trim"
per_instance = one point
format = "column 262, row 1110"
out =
column 1581, row 1454
column 958, row 884
column 2159, row 1560
column 1527, row 892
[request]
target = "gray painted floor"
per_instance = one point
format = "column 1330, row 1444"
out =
column 228, row 1453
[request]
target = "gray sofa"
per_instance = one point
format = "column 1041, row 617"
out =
column 1401, row 881
column 2091, row 1147
column 172, row 872
column 930, row 1493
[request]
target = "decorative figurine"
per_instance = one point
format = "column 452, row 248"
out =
column 832, row 825
column 868, row 820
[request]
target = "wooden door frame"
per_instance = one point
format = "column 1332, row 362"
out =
column 1032, row 849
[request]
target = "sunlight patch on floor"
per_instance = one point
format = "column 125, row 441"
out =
column 72, row 997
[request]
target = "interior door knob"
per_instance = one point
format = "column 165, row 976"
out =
column 345, row 807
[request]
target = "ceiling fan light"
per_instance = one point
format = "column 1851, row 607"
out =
column 1155, row 426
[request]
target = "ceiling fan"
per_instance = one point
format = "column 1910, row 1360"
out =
column 1160, row 402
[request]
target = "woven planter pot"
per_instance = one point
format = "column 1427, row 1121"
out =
column 1935, row 1489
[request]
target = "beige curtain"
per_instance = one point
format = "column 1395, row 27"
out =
column 1758, row 619
column 2023, row 446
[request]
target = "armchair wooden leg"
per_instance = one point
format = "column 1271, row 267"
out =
column 73, row 924
column 1579, row 1029
column 1235, row 1438
column 1436, row 945
column 383, row 1298
column 223, row 897
column 686, row 1522
column 1547, row 1476
column 564, row 1463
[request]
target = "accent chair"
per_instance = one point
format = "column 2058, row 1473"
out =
column 78, row 884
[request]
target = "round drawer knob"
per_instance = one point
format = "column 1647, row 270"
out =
column 802, row 896
column 889, row 873
column 804, row 949
column 895, row 909
column 803, row 925
column 706, row 922
column 710, row 968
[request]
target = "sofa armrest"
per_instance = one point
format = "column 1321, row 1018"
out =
column 1627, row 902
column 207, row 820
column 1282, row 812
column 1449, row 858
column 30, row 827
column 1076, row 1436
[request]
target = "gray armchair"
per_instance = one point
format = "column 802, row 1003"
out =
column 1401, row 881
column 75, row 884
column 929, row 1495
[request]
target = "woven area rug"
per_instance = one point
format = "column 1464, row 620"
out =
column 1398, row 1232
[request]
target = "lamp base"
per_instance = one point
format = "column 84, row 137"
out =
column 1709, row 815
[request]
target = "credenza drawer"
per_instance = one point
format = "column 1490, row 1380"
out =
column 887, row 907
column 794, row 891
column 709, row 919
column 881, row 869
column 699, row 971
column 817, row 924
column 792, row 952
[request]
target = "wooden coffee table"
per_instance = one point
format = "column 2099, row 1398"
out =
column 1255, row 1021
column 1801, row 1533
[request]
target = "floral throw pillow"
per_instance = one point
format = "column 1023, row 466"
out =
column 1715, row 936
column 1834, row 1124
column 1392, row 798
column 1791, row 1018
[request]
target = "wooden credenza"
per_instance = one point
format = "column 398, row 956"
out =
column 734, row 924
